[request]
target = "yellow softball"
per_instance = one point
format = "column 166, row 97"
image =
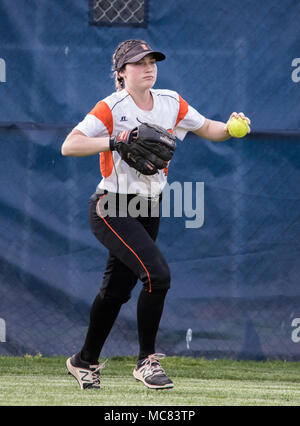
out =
column 237, row 127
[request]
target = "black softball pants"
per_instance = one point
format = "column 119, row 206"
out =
column 133, row 255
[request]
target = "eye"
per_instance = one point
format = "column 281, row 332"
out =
column 143, row 62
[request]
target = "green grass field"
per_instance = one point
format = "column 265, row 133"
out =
column 38, row 381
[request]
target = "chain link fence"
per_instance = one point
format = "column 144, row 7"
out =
column 233, row 292
column 125, row 12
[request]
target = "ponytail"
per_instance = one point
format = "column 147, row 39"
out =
column 119, row 82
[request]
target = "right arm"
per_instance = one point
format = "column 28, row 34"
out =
column 77, row 144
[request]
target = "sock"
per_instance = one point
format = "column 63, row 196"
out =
column 102, row 317
column 149, row 310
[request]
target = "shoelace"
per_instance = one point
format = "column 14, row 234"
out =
column 96, row 372
column 151, row 365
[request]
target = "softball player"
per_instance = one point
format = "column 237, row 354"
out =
column 130, row 240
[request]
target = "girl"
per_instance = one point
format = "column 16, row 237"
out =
column 130, row 239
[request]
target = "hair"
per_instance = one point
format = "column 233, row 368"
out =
column 120, row 51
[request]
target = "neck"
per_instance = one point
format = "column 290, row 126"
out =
column 143, row 99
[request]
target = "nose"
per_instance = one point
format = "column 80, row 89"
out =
column 149, row 66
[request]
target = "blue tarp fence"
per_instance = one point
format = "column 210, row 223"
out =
column 235, row 280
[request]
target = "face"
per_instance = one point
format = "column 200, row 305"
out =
column 140, row 75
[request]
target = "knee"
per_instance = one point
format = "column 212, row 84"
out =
column 161, row 278
column 165, row 277
column 114, row 298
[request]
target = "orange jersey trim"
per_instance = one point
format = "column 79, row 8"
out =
column 106, row 163
column 121, row 239
column 183, row 110
column 103, row 113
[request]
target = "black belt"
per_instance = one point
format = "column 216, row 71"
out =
column 97, row 195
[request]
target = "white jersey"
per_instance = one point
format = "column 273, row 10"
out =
column 119, row 112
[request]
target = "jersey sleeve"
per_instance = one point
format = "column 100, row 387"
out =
column 98, row 122
column 188, row 119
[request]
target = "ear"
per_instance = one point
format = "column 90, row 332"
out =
column 121, row 73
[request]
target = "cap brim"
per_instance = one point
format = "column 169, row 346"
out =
column 157, row 55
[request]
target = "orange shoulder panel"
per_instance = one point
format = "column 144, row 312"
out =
column 102, row 111
column 183, row 109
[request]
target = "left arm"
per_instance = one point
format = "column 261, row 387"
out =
column 217, row 130
column 213, row 130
